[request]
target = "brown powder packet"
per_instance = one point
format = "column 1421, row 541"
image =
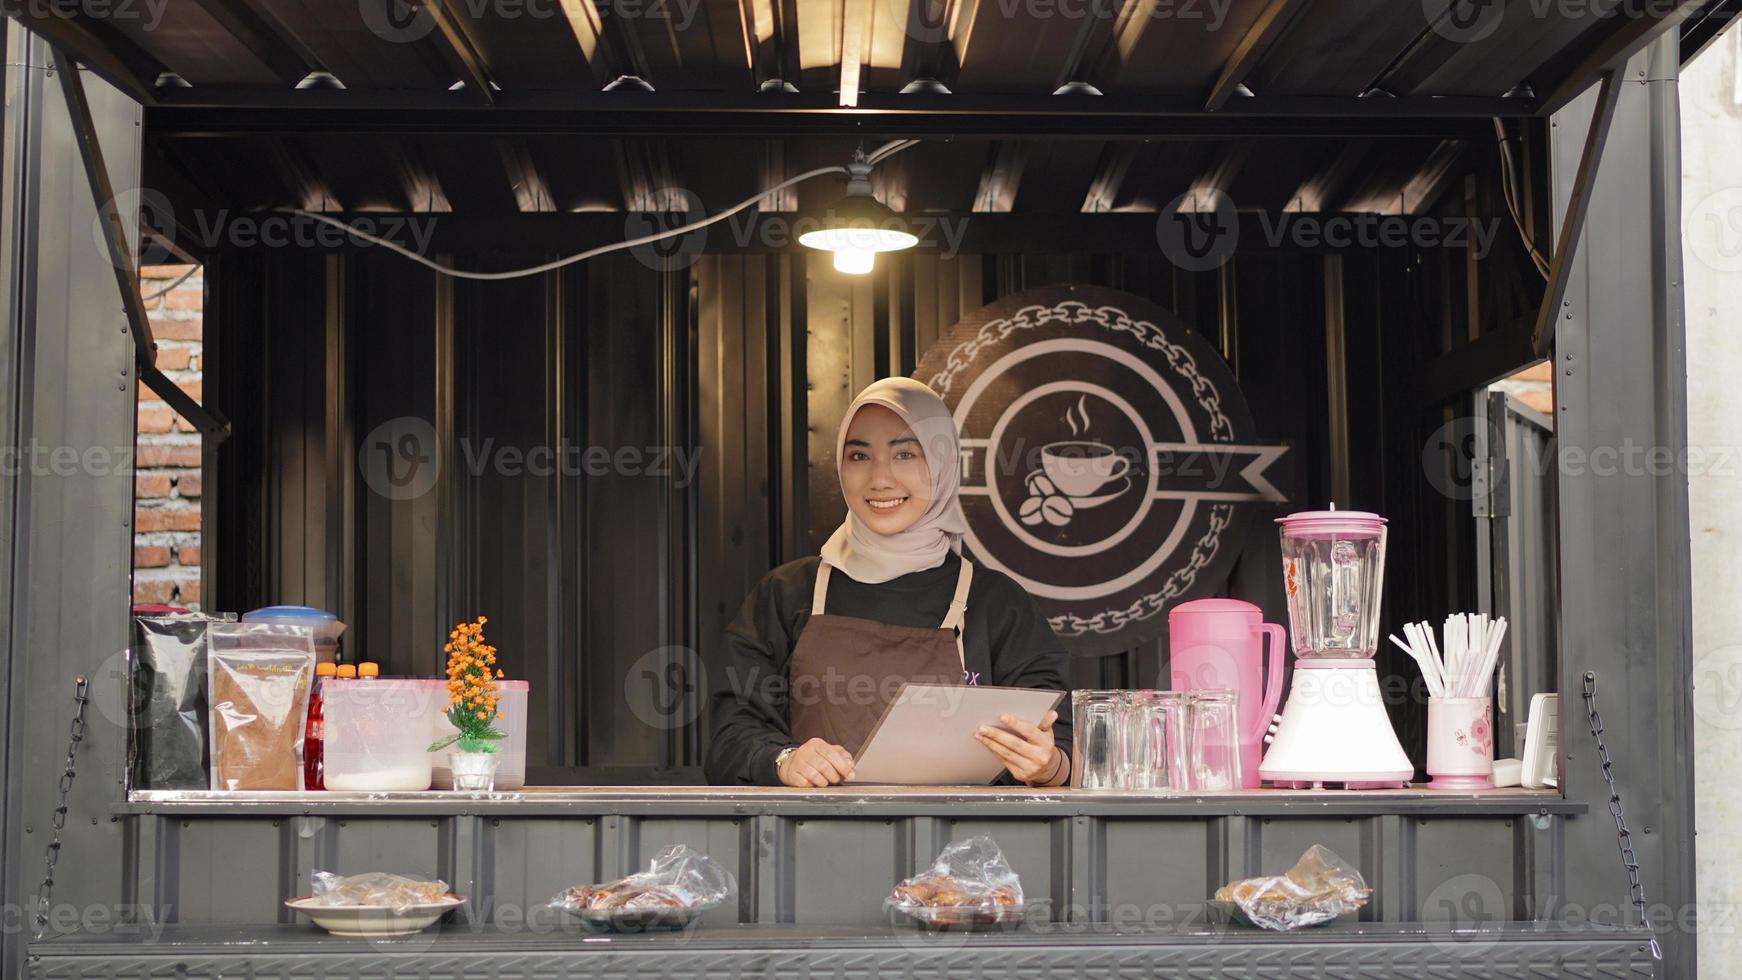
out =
column 258, row 678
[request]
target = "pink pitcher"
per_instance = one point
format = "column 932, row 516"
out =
column 1215, row 643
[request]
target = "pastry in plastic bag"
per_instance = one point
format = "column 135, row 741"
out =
column 677, row 884
column 1320, row 887
column 377, row 889
column 970, row 882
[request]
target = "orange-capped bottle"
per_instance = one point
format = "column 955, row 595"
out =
column 313, row 737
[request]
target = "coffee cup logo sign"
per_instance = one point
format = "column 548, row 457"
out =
column 1109, row 463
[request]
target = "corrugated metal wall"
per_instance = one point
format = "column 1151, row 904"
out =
column 607, row 585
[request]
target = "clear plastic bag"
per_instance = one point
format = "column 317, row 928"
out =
column 1320, row 887
column 377, row 889
column 258, row 677
column 679, row 884
column 969, row 883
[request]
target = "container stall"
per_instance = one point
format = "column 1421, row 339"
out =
column 408, row 449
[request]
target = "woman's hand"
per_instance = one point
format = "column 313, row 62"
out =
column 817, row 763
column 1027, row 750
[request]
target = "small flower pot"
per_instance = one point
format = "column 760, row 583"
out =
column 474, row 771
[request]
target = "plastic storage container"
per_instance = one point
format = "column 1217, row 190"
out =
column 325, row 626
column 376, row 735
column 511, row 773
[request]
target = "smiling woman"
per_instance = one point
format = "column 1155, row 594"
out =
column 806, row 669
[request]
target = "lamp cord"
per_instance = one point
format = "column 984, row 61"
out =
column 881, row 153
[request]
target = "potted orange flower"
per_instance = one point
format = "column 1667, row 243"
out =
column 472, row 707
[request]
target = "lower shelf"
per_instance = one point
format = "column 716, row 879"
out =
column 458, row 952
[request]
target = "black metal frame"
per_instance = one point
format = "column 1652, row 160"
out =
column 1573, row 224
column 121, row 258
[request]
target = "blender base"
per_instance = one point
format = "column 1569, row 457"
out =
column 1334, row 730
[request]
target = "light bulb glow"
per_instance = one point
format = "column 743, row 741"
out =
column 862, row 238
column 854, row 261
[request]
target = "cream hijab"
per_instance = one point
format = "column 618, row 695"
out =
column 864, row 554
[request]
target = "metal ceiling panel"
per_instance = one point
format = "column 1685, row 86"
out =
column 189, row 42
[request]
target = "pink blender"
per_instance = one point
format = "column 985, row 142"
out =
column 1334, row 728
column 1219, row 643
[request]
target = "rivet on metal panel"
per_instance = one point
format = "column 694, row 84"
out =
column 275, row 823
column 497, row 821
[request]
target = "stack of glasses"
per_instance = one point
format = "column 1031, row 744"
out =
column 1155, row 741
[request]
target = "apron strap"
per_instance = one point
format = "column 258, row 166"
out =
column 959, row 608
column 820, row 594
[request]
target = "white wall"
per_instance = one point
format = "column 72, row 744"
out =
column 1711, row 104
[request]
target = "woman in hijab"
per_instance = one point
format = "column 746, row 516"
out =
column 822, row 644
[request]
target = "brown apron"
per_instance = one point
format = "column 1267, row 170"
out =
column 845, row 670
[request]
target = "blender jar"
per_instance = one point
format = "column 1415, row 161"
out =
column 1333, row 563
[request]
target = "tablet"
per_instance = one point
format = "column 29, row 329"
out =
column 926, row 734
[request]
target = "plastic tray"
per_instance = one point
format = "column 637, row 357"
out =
column 962, row 918
column 638, row 920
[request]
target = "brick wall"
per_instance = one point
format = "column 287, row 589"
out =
column 1532, row 387
column 166, row 481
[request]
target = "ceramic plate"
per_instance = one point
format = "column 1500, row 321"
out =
column 373, row 920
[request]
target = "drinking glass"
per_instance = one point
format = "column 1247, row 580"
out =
column 1213, row 739
column 1098, row 750
column 1154, row 732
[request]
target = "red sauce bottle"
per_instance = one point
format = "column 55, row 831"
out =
column 313, row 741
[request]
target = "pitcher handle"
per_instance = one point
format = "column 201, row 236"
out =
column 1276, row 638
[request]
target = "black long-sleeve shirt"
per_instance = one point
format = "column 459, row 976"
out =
column 1006, row 642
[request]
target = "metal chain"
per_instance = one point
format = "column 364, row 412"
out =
column 1623, row 836
column 75, row 735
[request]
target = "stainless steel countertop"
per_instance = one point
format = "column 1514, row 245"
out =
column 581, row 801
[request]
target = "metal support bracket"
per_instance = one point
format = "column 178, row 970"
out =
column 1554, row 298
column 210, row 423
